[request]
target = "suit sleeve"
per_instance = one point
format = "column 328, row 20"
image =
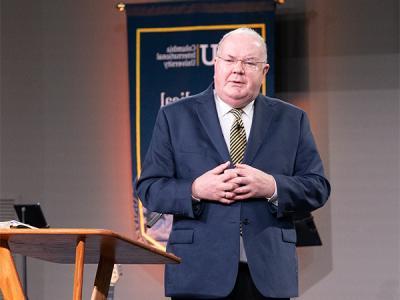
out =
column 157, row 186
column 307, row 189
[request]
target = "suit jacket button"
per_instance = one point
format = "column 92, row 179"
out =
column 246, row 222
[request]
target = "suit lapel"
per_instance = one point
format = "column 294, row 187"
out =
column 263, row 114
column 208, row 117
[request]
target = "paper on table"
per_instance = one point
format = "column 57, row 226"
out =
column 15, row 224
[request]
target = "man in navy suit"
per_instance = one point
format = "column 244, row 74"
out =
column 233, row 211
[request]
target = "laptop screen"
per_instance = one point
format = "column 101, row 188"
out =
column 31, row 214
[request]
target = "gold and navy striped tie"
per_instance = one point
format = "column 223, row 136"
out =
column 237, row 137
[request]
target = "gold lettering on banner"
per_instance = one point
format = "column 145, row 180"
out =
column 164, row 99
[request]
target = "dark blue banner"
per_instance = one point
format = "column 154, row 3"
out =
column 172, row 47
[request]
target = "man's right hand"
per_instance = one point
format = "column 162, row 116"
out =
column 214, row 186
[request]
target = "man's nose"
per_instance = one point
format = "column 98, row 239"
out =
column 238, row 67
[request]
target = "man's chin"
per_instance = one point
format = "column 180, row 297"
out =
column 236, row 93
column 237, row 100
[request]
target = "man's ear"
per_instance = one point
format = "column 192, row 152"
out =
column 265, row 69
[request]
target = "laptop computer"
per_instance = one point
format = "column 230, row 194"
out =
column 31, row 214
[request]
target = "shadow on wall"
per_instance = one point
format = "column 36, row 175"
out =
column 291, row 58
column 294, row 82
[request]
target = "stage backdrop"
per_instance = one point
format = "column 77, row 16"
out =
column 172, row 47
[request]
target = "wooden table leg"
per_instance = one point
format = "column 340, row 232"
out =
column 10, row 285
column 103, row 277
column 79, row 265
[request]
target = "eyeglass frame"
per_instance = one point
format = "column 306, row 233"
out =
column 247, row 64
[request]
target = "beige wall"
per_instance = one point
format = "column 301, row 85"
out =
column 353, row 99
column 65, row 136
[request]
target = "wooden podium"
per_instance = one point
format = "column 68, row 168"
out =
column 78, row 246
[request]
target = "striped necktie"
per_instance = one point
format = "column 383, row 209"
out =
column 237, row 137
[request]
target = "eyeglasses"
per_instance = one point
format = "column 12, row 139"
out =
column 248, row 65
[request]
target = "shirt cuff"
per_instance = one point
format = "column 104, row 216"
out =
column 274, row 198
column 196, row 199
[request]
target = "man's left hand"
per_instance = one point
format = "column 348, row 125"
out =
column 252, row 182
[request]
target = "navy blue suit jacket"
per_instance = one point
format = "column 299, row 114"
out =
column 187, row 141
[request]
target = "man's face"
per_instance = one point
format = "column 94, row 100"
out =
column 237, row 83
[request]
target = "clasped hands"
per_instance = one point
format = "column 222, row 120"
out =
column 227, row 185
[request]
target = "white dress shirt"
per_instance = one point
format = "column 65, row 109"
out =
column 226, row 120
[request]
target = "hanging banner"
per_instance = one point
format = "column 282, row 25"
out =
column 172, row 47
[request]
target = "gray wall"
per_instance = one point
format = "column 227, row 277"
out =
column 65, row 135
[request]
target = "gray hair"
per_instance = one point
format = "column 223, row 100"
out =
column 249, row 31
